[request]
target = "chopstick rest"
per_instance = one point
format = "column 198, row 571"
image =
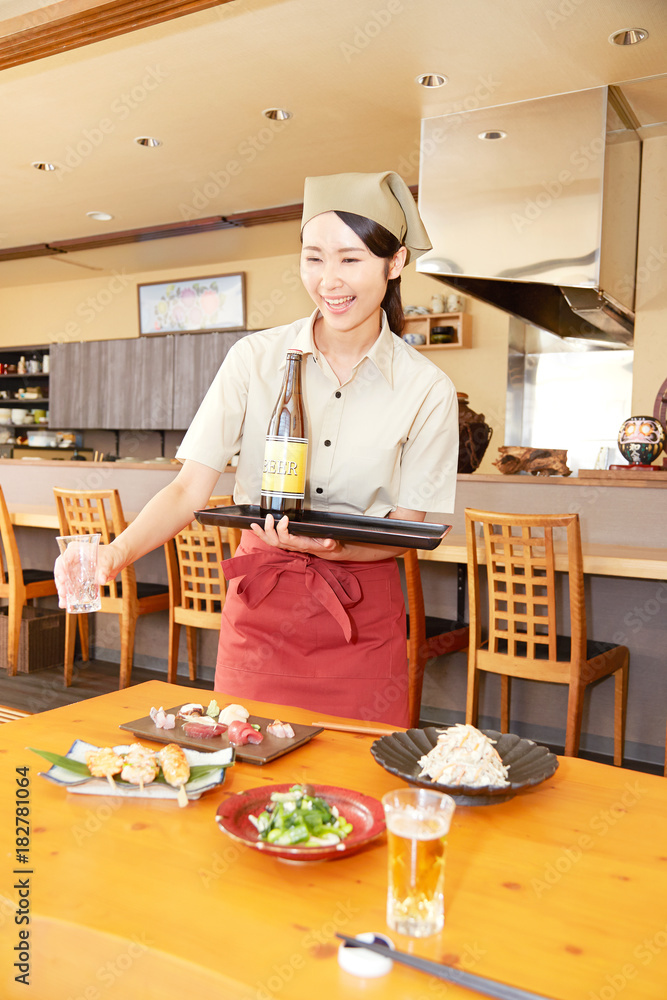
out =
column 358, row 960
column 488, row 987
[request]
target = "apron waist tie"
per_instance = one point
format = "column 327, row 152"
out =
column 330, row 583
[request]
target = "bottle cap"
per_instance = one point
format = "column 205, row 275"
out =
column 363, row 963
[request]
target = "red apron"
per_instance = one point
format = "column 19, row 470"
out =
column 326, row 636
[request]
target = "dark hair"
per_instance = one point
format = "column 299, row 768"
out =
column 384, row 244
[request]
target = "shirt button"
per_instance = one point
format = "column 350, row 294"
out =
column 338, row 395
column 319, row 490
column 327, row 443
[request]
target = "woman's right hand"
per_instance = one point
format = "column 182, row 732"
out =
column 109, row 565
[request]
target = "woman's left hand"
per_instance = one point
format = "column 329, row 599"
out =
column 277, row 534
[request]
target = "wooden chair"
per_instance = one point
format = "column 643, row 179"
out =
column 197, row 587
column 83, row 512
column 522, row 636
column 427, row 636
column 18, row 585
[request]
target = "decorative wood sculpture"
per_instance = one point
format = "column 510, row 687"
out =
column 537, row 461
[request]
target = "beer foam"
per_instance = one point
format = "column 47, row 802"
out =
column 418, row 824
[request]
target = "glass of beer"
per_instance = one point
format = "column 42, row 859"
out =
column 417, row 826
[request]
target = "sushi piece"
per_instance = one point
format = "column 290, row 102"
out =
column 203, row 728
column 282, row 730
column 233, row 713
column 240, row 733
column 161, row 719
column 190, row 711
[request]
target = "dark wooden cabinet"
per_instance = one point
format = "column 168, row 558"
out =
column 197, row 358
column 140, row 383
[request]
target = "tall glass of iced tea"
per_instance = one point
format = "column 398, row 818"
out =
column 417, row 826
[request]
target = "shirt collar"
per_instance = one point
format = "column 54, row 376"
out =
column 381, row 352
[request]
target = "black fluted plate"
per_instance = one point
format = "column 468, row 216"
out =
column 529, row 764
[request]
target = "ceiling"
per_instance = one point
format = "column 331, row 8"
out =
column 199, row 82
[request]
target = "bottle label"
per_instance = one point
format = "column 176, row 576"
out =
column 284, row 472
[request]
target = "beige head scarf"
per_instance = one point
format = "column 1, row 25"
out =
column 383, row 198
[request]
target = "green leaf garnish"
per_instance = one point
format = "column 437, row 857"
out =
column 75, row 766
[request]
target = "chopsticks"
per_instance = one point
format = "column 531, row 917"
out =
column 364, row 730
column 489, row 987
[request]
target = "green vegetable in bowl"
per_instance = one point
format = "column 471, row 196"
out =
column 295, row 817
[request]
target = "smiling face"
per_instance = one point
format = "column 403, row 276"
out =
column 343, row 278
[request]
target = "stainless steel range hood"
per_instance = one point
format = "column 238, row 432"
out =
column 542, row 219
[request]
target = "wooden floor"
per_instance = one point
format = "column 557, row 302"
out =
column 45, row 689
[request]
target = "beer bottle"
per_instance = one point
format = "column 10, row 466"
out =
column 284, row 471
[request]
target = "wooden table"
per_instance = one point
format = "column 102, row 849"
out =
column 561, row 891
column 602, row 560
column 34, row 516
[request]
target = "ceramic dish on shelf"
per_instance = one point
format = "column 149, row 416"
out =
column 364, row 813
column 529, row 763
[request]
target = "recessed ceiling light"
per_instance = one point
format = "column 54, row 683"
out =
column 277, row 114
column 147, row 140
column 431, row 80
column 99, row 216
column 42, row 165
column 629, row 36
column 492, row 133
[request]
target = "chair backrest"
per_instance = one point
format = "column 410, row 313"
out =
column 10, row 561
column 521, row 582
column 233, row 534
column 417, row 647
column 196, row 582
column 202, row 583
column 87, row 512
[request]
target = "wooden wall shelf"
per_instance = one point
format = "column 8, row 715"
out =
column 462, row 323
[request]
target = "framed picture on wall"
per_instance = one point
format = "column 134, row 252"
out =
column 195, row 305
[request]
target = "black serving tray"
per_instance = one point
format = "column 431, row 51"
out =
column 346, row 527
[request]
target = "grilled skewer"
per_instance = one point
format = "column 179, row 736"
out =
column 104, row 763
column 176, row 769
column 140, row 767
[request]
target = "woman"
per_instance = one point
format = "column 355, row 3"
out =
column 320, row 623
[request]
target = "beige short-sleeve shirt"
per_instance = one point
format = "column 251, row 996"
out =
column 387, row 438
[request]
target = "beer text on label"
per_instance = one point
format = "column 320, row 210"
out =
column 284, row 470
